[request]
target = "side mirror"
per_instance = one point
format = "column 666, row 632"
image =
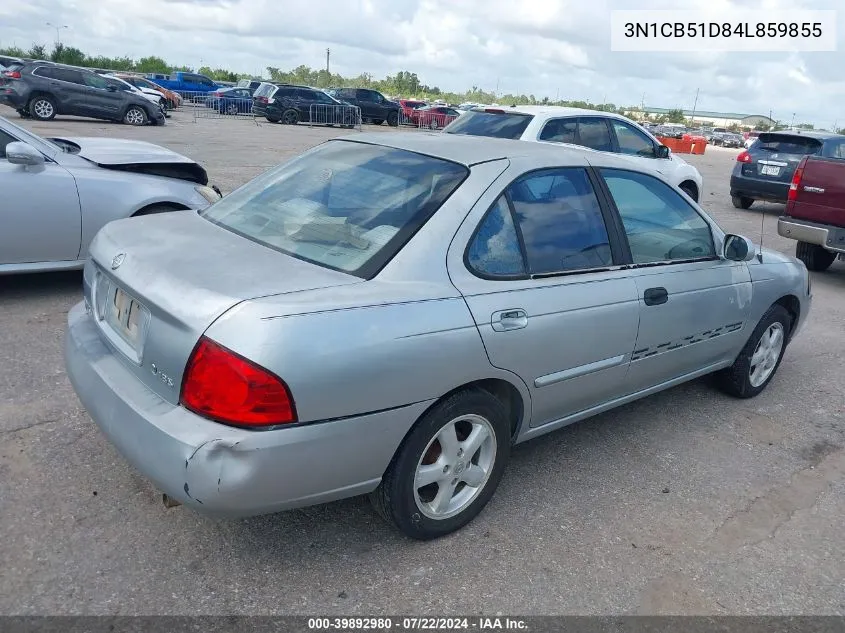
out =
column 19, row 153
column 738, row 248
column 662, row 151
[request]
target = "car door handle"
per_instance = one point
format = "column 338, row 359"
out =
column 655, row 296
column 512, row 319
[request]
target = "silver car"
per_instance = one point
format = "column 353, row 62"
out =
column 57, row 193
column 391, row 313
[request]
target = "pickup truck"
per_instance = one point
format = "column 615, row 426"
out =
column 187, row 85
column 815, row 210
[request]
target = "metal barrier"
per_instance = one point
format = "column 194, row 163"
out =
column 208, row 105
column 330, row 115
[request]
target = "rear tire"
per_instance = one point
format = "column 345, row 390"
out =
column 815, row 257
column 740, row 379
column 290, row 117
column 42, row 108
column 415, row 508
column 741, row 202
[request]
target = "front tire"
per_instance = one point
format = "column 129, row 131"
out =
column 448, row 467
column 393, row 119
column 759, row 360
column 42, row 108
column 815, row 257
column 741, row 202
column 135, row 115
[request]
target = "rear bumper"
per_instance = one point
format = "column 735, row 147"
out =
column 830, row 237
column 220, row 470
column 759, row 189
column 12, row 99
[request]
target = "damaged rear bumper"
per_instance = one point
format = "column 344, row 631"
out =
column 220, row 470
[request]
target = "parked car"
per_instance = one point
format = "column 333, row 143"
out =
column 408, row 106
column 43, row 90
column 375, row 107
column 191, row 86
column 249, row 84
column 172, row 99
column 815, row 208
column 291, row 104
column 731, row 139
column 230, row 101
column 528, row 286
column 434, row 116
column 602, row 131
column 764, row 171
column 153, row 96
column 58, row 192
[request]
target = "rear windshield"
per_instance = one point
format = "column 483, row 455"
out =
column 344, row 205
column 787, row 144
column 264, row 90
column 479, row 123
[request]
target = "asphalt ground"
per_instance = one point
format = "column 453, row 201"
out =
column 687, row 502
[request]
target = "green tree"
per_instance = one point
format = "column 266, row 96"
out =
column 152, row 64
column 675, row 116
column 37, row 51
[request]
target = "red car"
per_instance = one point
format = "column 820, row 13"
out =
column 408, row 106
column 434, row 117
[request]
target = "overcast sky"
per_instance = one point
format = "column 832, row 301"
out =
column 539, row 47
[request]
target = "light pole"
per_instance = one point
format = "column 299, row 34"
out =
column 58, row 29
column 792, row 123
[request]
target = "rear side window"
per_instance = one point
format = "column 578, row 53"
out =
column 345, row 205
column 593, row 133
column 477, row 123
column 835, row 148
column 560, row 131
column 60, row 74
column 787, row 144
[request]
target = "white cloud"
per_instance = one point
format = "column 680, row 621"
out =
column 539, row 47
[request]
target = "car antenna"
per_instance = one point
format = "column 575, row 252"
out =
column 762, row 226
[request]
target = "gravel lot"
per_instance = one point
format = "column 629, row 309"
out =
column 687, row 502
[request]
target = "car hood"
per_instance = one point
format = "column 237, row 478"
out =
column 139, row 157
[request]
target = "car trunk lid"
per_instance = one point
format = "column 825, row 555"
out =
column 774, row 156
column 157, row 283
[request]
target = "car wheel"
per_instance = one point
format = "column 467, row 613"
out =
column 290, row 117
column 393, row 119
column 448, row 467
column 760, row 358
column 815, row 257
column 135, row 115
column 232, row 109
column 741, row 202
column 690, row 189
column 376, row 121
column 42, row 108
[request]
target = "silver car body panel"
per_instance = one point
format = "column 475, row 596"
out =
column 52, row 211
column 364, row 359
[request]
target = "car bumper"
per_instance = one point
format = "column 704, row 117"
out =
column 759, row 189
column 12, row 99
column 830, row 237
column 220, row 470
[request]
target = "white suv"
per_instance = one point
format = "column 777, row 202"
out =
column 601, row 131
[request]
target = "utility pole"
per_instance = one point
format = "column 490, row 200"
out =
column 792, row 123
column 58, row 28
column 694, row 106
column 642, row 103
column 328, row 54
column 497, row 88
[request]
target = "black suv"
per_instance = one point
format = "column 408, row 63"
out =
column 291, row 104
column 44, row 89
column 375, row 107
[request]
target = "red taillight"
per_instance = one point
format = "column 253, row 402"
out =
column 796, row 181
column 223, row 386
column 744, row 157
column 493, row 111
column 12, row 74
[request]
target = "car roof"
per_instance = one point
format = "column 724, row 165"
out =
column 471, row 150
column 549, row 112
column 821, row 136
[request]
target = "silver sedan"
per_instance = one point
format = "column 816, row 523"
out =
column 57, row 193
column 390, row 314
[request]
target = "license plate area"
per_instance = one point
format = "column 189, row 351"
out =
column 122, row 318
column 769, row 170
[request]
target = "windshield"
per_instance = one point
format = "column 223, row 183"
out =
column 478, row 123
column 344, row 205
